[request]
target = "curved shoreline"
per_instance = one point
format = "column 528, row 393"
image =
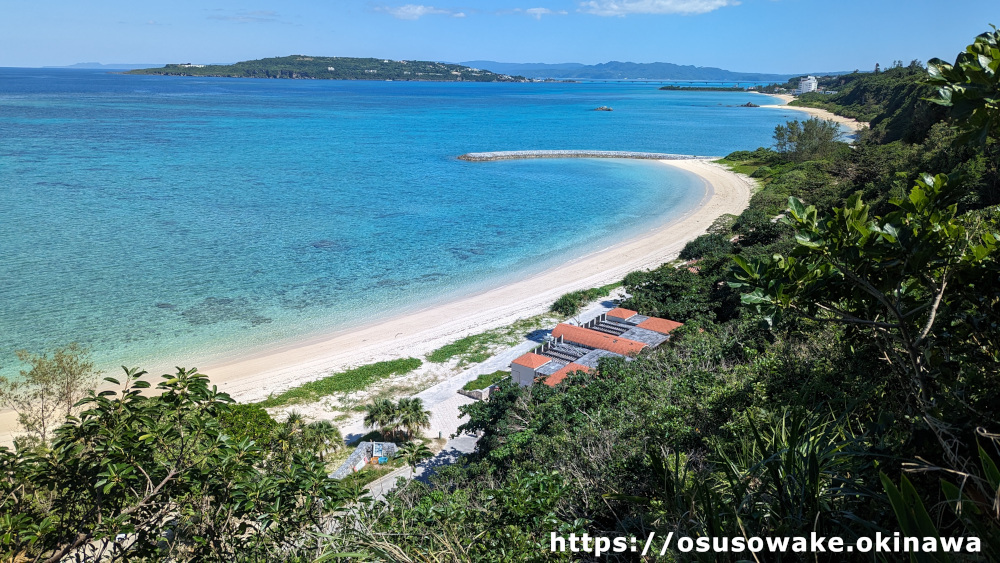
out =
column 419, row 332
column 253, row 377
column 519, row 155
column 853, row 124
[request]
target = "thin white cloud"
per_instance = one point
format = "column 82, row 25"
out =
column 626, row 7
column 415, row 11
column 458, row 15
column 537, row 13
column 253, row 16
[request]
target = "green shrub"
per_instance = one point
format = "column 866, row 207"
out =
column 485, row 380
column 705, row 245
column 354, row 379
column 247, row 420
column 571, row 303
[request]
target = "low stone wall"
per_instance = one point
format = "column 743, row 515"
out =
column 512, row 155
column 478, row 394
column 362, row 452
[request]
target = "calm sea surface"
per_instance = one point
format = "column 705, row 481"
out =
column 160, row 219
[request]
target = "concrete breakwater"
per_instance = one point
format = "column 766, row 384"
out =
column 512, row 155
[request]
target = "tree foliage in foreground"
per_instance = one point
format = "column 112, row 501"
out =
column 970, row 88
column 142, row 477
column 921, row 282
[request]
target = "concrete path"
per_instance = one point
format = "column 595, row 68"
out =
column 455, row 448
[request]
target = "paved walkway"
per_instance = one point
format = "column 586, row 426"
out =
column 456, row 447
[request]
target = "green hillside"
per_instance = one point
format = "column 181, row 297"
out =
column 892, row 100
column 336, row 68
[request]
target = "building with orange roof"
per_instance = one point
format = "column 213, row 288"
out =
column 559, row 376
column 524, row 369
column 620, row 315
column 593, row 339
column 618, row 333
column 656, row 324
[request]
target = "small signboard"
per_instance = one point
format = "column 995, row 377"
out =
column 360, row 465
column 377, row 450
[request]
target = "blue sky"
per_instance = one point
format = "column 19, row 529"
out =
column 781, row 36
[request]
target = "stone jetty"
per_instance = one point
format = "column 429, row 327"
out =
column 513, row 155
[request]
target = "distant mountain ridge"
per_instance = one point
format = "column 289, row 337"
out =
column 616, row 70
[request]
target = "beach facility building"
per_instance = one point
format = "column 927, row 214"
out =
column 807, row 84
column 616, row 334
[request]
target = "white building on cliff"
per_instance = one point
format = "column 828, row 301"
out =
column 807, row 84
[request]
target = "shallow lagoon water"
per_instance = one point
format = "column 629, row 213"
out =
column 158, row 219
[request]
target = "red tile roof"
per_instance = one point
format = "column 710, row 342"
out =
column 620, row 313
column 594, row 339
column 531, row 360
column 656, row 324
column 558, row 377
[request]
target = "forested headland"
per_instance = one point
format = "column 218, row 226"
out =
column 837, row 373
column 335, row 68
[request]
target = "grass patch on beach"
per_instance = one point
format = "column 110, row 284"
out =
column 480, row 347
column 571, row 303
column 485, row 380
column 354, row 379
column 739, row 168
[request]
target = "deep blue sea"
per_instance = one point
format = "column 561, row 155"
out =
column 163, row 220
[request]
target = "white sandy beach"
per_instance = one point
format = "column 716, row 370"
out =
column 415, row 334
column 853, row 124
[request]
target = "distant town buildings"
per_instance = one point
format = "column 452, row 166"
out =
column 807, row 84
column 617, row 333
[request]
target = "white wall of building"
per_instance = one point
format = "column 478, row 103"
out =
column 807, row 84
column 523, row 376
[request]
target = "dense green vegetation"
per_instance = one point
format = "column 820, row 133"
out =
column 892, row 101
column 571, row 303
column 485, row 380
column 354, row 379
column 336, row 68
column 158, row 478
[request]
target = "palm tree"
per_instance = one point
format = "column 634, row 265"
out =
column 412, row 416
column 322, row 436
column 289, row 434
column 382, row 415
column 413, row 453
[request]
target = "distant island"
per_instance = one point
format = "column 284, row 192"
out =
column 336, row 68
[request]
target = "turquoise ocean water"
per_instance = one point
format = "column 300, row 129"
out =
column 159, row 219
